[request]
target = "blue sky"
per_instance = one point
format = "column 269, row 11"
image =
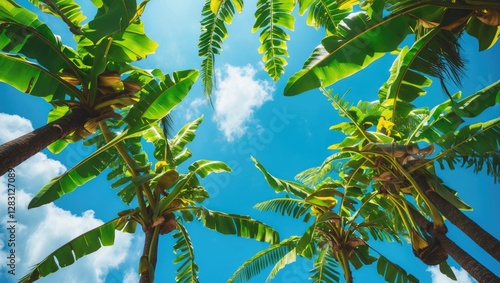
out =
column 251, row 117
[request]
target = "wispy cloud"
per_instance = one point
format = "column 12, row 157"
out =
column 42, row 230
column 438, row 277
column 193, row 110
column 238, row 95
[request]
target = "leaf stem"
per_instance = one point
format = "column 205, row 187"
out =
column 132, row 167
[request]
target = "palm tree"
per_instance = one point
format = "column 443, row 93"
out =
column 85, row 85
column 166, row 199
column 344, row 221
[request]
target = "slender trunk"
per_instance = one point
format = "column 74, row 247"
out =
column 344, row 264
column 475, row 232
column 484, row 239
column 16, row 151
column 466, row 261
column 147, row 276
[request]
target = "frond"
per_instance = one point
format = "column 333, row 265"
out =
column 280, row 185
column 339, row 56
column 213, row 34
column 263, row 259
column 272, row 17
column 286, row 206
column 187, row 271
column 324, row 13
column 239, row 225
column 393, row 272
column 83, row 245
column 448, row 116
column 475, row 145
column 67, row 10
column 435, row 54
column 325, row 268
column 290, row 257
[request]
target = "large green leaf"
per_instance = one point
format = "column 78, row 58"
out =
column 294, row 208
column 242, row 226
column 157, row 100
column 323, row 13
column 187, row 271
column 68, row 10
column 114, row 16
column 73, row 250
column 358, row 42
column 280, row 185
column 23, row 33
column 185, row 135
column 447, row 116
column 474, row 146
column 261, row 260
column 405, row 84
column 486, row 35
column 306, row 240
column 205, row 167
column 35, row 79
column 130, row 45
column 287, row 259
column 81, row 173
column 393, row 272
column 324, row 268
column 215, row 15
column 272, row 17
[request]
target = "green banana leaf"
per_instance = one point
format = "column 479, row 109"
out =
column 215, row 15
column 114, row 16
column 263, row 259
column 280, row 185
column 75, row 249
column 188, row 269
column 358, row 42
column 35, row 80
column 272, row 17
column 158, row 100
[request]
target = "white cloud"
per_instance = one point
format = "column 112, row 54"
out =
column 13, row 126
column 42, row 230
column 438, row 277
column 193, row 111
column 131, row 276
column 238, row 95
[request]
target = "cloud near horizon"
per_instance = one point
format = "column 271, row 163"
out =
column 438, row 277
column 238, row 95
column 41, row 230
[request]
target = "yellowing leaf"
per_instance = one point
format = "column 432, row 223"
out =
column 384, row 124
column 215, row 5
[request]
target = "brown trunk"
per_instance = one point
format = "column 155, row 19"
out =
column 145, row 276
column 484, row 239
column 16, row 151
column 475, row 232
column 466, row 261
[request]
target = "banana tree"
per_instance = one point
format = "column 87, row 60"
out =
column 166, row 198
column 343, row 218
column 403, row 170
column 85, row 85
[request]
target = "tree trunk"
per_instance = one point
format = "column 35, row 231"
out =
column 466, row 261
column 147, row 275
column 484, row 239
column 16, row 151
